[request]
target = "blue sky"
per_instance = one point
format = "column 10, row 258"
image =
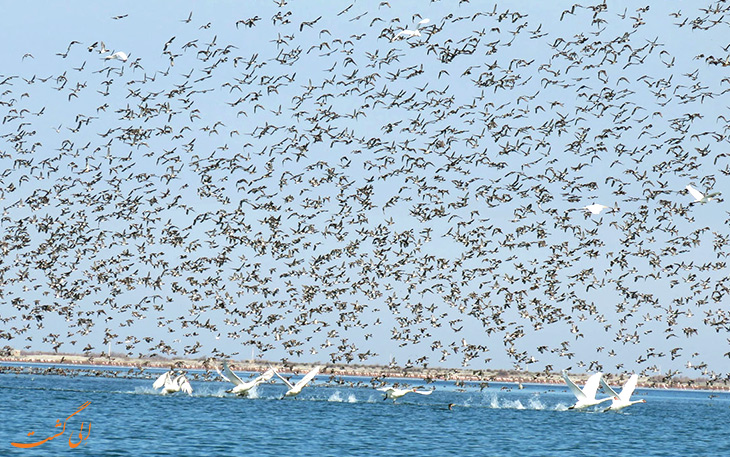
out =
column 326, row 187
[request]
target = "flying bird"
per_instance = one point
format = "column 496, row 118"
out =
column 699, row 196
column 595, row 208
column 587, row 396
column 623, row 399
column 241, row 387
column 395, row 393
column 295, row 389
column 169, row 385
column 118, row 55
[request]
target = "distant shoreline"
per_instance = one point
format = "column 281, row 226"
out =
column 367, row 371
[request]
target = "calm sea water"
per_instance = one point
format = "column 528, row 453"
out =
column 128, row 418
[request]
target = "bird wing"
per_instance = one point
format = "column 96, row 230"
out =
column 423, row 392
column 286, row 381
column 385, row 389
column 161, row 381
column 308, row 377
column 185, row 385
column 608, row 389
column 591, row 386
column 573, row 387
column 695, row 193
column 265, row 376
column 221, row 374
column 629, row 387
column 397, row 35
column 231, row 375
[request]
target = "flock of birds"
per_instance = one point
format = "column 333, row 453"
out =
column 339, row 186
column 169, row 383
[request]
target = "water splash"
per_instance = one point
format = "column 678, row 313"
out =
column 253, row 392
column 535, row 403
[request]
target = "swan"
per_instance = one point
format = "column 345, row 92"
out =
column 407, row 33
column 595, row 208
column 587, row 396
column 243, row 387
column 699, row 196
column 118, row 55
column 294, row 389
column 170, row 385
column 394, row 393
column 622, row 400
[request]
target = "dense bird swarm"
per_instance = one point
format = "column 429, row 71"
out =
column 362, row 180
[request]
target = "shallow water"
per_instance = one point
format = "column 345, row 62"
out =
column 128, row 417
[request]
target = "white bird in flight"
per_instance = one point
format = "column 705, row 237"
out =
column 407, row 33
column 587, row 396
column 394, row 393
column 699, row 196
column 170, row 385
column 294, row 389
column 595, row 208
column 243, row 387
column 622, row 400
column 118, row 55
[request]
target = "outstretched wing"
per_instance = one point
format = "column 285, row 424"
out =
column 286, row 381
column 185, row 385
column 230, row 375
column 629, row 387
column 221, row 374
column 695, row 193
column 573, row 387
column 591, row 386
column 265, row 376
column 161, row 381
column 308, row 377
column 608, row 389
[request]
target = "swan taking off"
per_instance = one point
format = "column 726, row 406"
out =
column 622, row 400
column 243, row 387
column 294, row 389
column 587, row 396
column 394, row 393
column 170, row 385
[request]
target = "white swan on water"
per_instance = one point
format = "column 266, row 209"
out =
column 587, row 396
column 622, row 400
column 294, row 389
column 243, row 387
column 395, row 393
column 171, row 385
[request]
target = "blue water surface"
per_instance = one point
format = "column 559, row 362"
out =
column 128, row 418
